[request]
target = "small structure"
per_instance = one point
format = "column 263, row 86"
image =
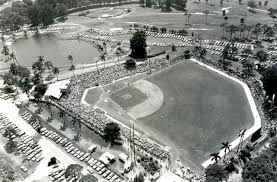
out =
column 128, row 166
column 123, row 157
column 107, row 158
column 57, row 89
column 92, row 148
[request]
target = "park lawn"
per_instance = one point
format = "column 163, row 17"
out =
column 201, row 110
column 177, row 20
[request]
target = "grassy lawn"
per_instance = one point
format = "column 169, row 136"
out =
column 177, row 20
column 201, row 110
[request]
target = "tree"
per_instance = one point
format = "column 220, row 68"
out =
column 40, row 90
column 226, row 147
column 11, row 19
column 221, row 3
column 72, row 67
column 252, row 4
column 26, row 86
column 13, row 57
column 206, row 12
column 212, row 179
column 148, row 3
column 259, row 169
column 168, row 5
column 103, row 59
column 5, row 50
column 187, row 54
column 48, row 65
column 38, row 66
column 261, row 55
column 9, row 132
column 34, row 14
column 56, row 72
column 215, row 156
column 232, row 29
column 9, row 79
column 88, row 178
column 37, row 78
column 272, row 13
column 111, row 132
column 216, row 171
column 269, row 79
column 139, row 178
column 138, row 44
column 61, row 10
column 73, row 170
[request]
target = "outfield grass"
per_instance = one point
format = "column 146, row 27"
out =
column 201, row 109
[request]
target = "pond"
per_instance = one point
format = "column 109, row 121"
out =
column 54, row 49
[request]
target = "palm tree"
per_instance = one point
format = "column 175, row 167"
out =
column 241, row 135
column 41, row 59
column 3, row 38
column 56, row 71
column 25, row 34
column 13, row 57
column 215, row 156
column 72, row 67
column 26, row 86
column 232, row 29
column 103, row 58
column 117, row 53
column 48, row 65
column 5, row 50
column 226, row 146
column 70, row 59
column 241, row 28
column 226, row 19
column 62, row 114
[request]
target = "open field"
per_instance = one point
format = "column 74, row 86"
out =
column 201, row 109
column 177, row 20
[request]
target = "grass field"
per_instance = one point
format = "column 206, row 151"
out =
column 201, row 109
column 177, row 20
